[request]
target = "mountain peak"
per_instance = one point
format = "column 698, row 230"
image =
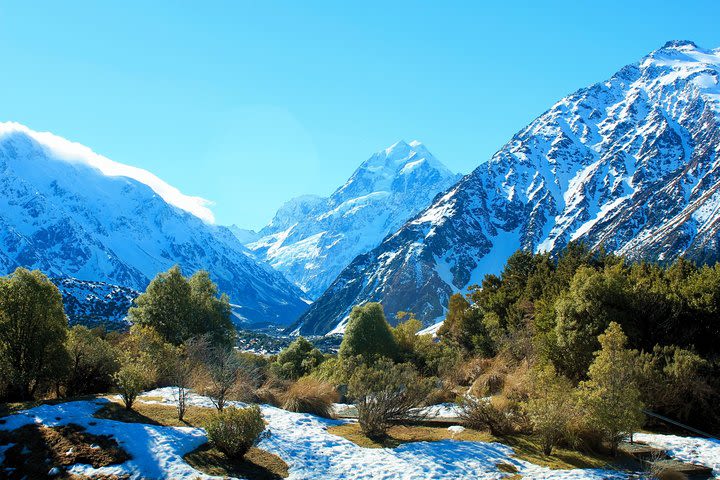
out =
column 679, row 44
column 61, row 149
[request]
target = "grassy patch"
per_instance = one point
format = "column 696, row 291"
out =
column 257, row 464
column 155, row 414
column 526, row 447
column 36, row 449
column 399, row 434
column 529, row 448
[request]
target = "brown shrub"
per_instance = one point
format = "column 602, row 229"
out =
column 470, row 370
column 488, row 384
column 483, row 415
column 517, row 383
column 309, row 395
column 443, row 394
column 273, row 391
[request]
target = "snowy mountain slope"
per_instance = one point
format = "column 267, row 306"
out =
column 630, row 163
column 72, row 213
column 311, row 239
column 96, row 303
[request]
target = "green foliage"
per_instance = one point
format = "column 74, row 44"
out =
column 297, row 360
column 466, row 324
column 594, row 299
column 385, row 393
column 93, row 361
column 678, row 383
column 33, row 328
column 234, row 430
column 430, row 358
column 610, row 397
column 181, row 308
column 550, row 407
column 368, row 334
column 146, row 347
column 130, row 380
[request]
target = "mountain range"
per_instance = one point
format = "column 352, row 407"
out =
column 629, row 164
column 311, row 239
column 70, row 212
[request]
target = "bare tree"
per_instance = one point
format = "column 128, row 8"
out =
column 224, row 374
column 181, row 374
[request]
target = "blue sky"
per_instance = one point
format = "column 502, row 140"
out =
column 250, row 103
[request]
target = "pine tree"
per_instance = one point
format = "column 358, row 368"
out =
column 610, row 396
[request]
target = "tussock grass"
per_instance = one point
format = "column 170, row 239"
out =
column 309, row 395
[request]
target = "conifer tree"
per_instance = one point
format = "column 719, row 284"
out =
column 610, row 396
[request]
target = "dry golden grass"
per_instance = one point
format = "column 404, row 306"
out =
column 399, row 434
column 526, row 447
column 154, row 414
column 256, row 464
column 38, row 448
column 309, row 395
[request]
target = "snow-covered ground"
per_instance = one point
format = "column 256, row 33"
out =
column 700, row 451
column 304, row 443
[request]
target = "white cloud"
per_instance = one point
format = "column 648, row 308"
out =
column 75, row 152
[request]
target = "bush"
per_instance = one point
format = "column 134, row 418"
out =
column 610, row 397
column 131, row 379
column 234, row 430
column 386, row 393
column 297, row 360
column 92, row 362
column 550, row 407
column 309, row 395
column 368, row 334
column 481, row 414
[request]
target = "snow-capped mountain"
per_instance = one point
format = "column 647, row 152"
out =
column 96, row 303
column 630, row 163
column 311, row 239
column 70, row 212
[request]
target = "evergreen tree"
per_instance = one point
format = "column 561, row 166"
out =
column 368, row 334
column 297, row 360
column 179, row 308
column 610, row 396
column 33, row 328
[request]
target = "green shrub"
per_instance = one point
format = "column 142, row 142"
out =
column 234, row 430
column 297, row 360
column 131, row 379
column 368, row 334
column 309, row 395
